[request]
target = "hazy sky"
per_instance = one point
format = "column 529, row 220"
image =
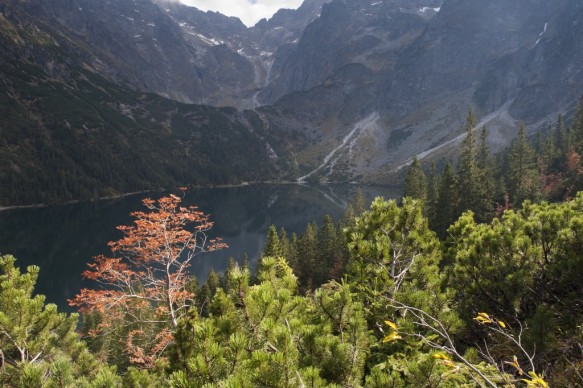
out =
column 249, row 11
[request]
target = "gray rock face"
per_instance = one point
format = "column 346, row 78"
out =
column 421, row 66
column 173, row 50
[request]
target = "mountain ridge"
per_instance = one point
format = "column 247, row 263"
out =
column 299, row 83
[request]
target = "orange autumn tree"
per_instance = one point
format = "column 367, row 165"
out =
column 144, row 286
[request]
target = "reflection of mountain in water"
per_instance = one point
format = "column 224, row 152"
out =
column 62, row 239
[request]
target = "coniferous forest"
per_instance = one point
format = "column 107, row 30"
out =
column 473, row 278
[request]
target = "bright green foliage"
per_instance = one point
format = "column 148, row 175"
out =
column 394, row 258
column 336, row 340
column 493, row 264
column 393, row 253
column 38, row 346
column 526, row 266
column 144, row 378
column 429, row 369
column 268, row 335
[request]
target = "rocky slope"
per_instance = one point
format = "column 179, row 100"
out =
column 505, row 59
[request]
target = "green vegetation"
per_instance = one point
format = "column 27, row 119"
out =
column 378, row 300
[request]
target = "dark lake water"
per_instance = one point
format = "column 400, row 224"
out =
column 63, row 239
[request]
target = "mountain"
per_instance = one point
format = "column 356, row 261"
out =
column 421, row 66
column 69, row 132
column 114, row 96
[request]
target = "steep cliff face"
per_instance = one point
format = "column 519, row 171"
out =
column 545, row 74
column 349, row 32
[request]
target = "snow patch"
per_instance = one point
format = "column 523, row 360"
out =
column 425, row 9
column 500, row 113
column 209, row 41
column 541, row 34
column 348, row 142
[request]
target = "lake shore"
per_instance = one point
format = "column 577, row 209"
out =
column 193, row 187
column 109, row 197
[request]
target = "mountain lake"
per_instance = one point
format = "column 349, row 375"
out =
column 62, row 239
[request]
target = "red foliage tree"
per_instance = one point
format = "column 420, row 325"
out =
column 146, row 283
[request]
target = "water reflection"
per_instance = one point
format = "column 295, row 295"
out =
column 62, row 239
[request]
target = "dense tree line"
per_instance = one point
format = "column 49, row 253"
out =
column 545, row 167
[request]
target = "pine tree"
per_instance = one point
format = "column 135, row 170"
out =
column 415, row 182
column 577, row 127
column 468, row 174
column 394, row 259
column 38, row 345
column 523, row 177
column 329, row 252
column 561, row 136
column 432, row 191
column 447, row 203
column 484, row 204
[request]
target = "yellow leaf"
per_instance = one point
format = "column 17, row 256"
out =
column 392, row 337
column 514, row 363
column 441, row 356
column 392, row 325
column 502, row 324
column 536, row 381
column 483, row 318
column 448, row 363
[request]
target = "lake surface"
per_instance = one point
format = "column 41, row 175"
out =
column 63, row 239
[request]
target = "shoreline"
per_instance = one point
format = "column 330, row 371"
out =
column 193, row 187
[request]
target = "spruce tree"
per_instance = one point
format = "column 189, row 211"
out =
column 561, row 135
column 468, row 174
column 432, row 192
column 447, row 203
column 415, row 182
column 577, row 127
column 484, row 204
column 272, row 244
column 308, row 256
column 523, row 177
column 329, row 251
